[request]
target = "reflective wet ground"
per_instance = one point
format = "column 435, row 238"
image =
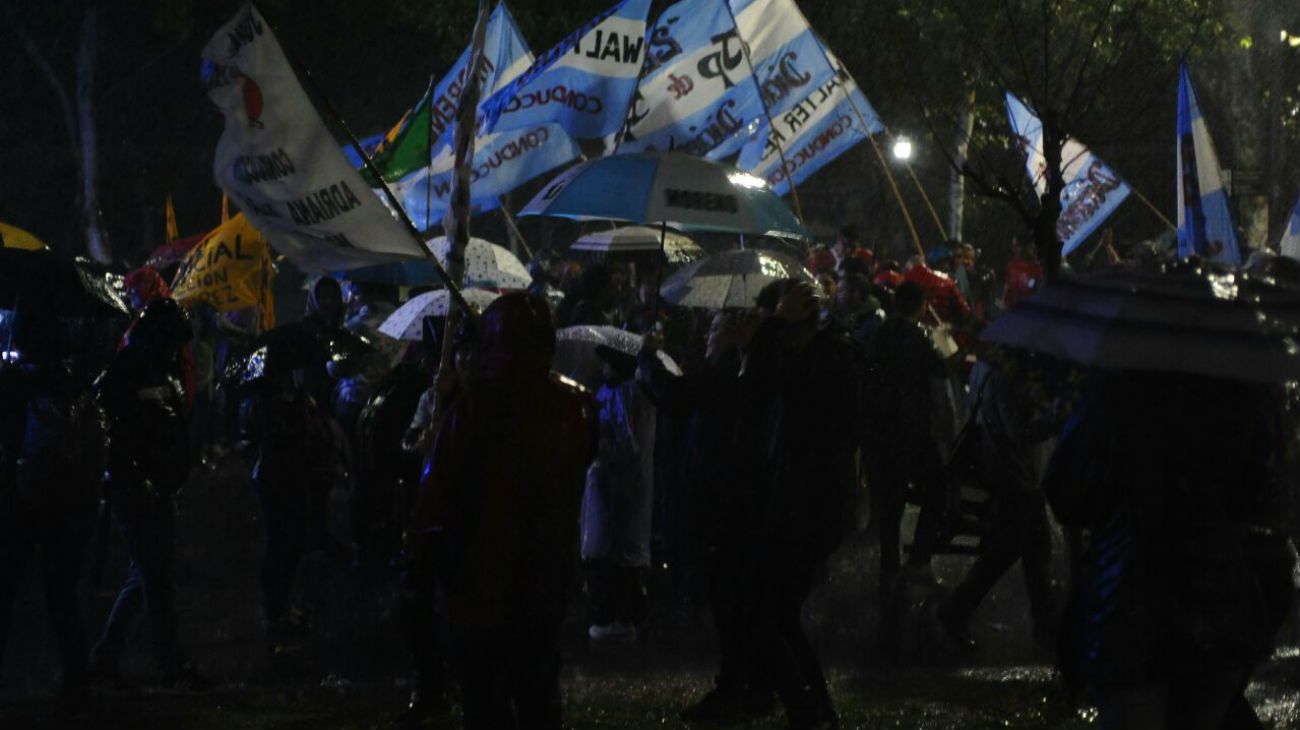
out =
column 350, row 675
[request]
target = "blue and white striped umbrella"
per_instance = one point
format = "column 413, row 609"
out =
column 667, row 187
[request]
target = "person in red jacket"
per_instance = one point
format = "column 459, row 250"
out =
column 498, row 508
column 1023, row 274
column 941, row 292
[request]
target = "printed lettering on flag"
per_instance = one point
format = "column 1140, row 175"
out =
column 229, row 269
column 1092, row 190
column 699, row 96
column 278, row 160
column 502, row 162
column 812, row 133
column 583, row 83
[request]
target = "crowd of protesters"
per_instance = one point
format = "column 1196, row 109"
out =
column 482, row 499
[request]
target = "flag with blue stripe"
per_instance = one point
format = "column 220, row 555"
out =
column 1205, row 225
column 820, row 127
column 699, row 96
column 1092, row 190
column 584, row 83
column 502, row 162
column 1290, row 245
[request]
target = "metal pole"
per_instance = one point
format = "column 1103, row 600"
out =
column 767, row 112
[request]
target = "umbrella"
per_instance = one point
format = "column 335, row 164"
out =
column 1185, row 317
column 415, row 272
column 487, row 265
column 407, row 323
column 667, row 188
column 294, row 346
column 15, row 237
column 173, row 252
column 730, row 279
column 634, row 241
column 576, row 358
column 62, row 287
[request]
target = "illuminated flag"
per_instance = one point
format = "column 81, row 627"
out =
column 1290, row 245
column 1204, row 222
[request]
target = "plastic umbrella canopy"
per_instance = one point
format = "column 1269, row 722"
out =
column 1184, row 318
column 576, row 358
column 730, row 279
column 62, row 287
column 633, row 240
column 293, row 346
column 415, row 272
column 487, row 265
column 15, row 237
column 407, row 323
column 668, row 187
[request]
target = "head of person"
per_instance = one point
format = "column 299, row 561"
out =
column 855, row 265
column 909, row 300
column 939, row 258
column 144, row 285
column 846, row 240
column 829, row 284
column 597, row 285
column 160, row 332
column 325, row 302
column 966, row 255
column 515, row 338
column 730, row 332
column 618, row 367
column 852, row 294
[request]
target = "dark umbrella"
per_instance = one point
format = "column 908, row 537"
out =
column 1186, row 318
column 293, row 346
column 61, row 287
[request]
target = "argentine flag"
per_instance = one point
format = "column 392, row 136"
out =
column 1204, row 222
column 584, row 83
column 1290, row 245
column 1092, row 190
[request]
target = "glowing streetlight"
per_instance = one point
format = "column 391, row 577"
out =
column 903, row 149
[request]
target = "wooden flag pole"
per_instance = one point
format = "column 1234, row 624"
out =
column 513, row 226
column 1138, row 194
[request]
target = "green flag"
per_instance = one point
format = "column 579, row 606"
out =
column 405, row 148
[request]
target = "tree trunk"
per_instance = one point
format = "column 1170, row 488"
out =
column 1046, row 242
column 91, row 220
column 957, row 180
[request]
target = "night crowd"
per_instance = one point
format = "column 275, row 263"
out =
column 493, row 500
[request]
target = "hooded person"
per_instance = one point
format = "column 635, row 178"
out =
column 148, row 461
column 618, row 502
column 499, row 508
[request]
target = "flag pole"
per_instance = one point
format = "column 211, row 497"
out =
column 456, row 220
column 1143, row 199
column 513, row 225
column 884, row 164
column 767, row 111
column 453, row 288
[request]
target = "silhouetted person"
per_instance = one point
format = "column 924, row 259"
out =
column 500, row 500
column 148, row 461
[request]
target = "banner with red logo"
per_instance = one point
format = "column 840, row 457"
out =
column 281, row 164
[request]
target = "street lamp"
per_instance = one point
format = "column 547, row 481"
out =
column 903, row 149
column 1290, row 39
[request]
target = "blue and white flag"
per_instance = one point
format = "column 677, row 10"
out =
column 1204, row 222
column 584, row 83
column 1092, row 190
column 812, row 133
column 1290, row 245
column 698, row 95
column 505, row 57
column 502, row 162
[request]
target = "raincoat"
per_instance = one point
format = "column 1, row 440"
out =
column 619, row 498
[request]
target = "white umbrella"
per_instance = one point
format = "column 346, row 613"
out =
column 576, row 358
column 408, row 321
column 730, row 279
column 487, row 265
column 678, row 248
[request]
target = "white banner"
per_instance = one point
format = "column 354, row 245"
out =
column 279, row 161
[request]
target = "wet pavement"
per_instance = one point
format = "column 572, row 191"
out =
column 351, row 674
